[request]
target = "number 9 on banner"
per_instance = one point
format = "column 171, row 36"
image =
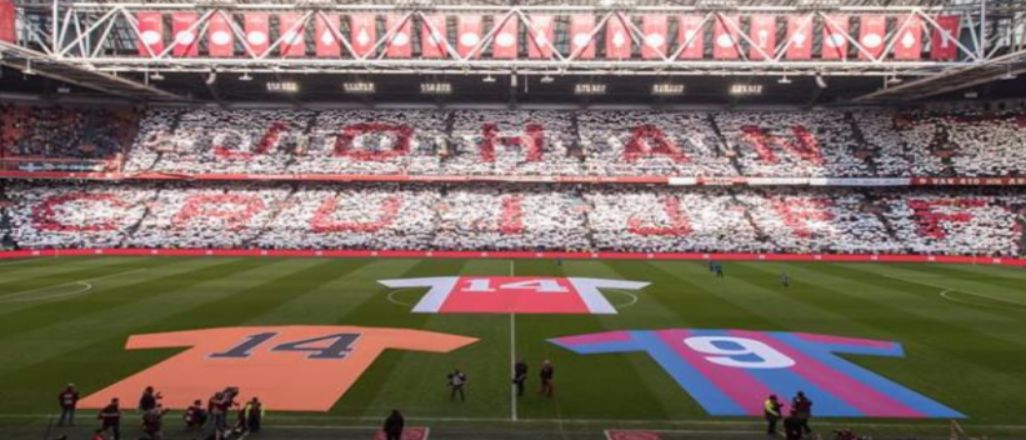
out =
column 737, row 352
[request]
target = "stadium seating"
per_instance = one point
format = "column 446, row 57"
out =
column 514, row 217
column 822, row 143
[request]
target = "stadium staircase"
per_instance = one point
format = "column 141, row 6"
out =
column 870, row 151
column 131, row 230
column 724, row 145
column 760, row 234
column 575, row 149
column 278, row 208
column 938, row 146
column 873, row 205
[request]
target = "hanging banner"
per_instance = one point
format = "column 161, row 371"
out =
column 433, row 40
column 363, row 33
column 220, row 40
column 690, row 37
column 618, row 40
column 185, row 42
column 8, row 27
column 293, row 34
column 872, row 30
column 542, row 34
column 835, row 40
column 399, row 44
column 151, row 33
column 326, row 41
column 504, row 45
column 654, row 28
column 944, row 36
column 468, row 35
column 581, row 41
column 725, row 38
column 910, row 39
column 799, row 36
column 257, row 27
column 763, row 32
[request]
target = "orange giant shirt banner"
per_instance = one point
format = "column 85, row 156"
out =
column 290, row 368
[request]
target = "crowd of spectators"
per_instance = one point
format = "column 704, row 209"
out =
column 821, row 143
column 58, row 132
column 514, row 217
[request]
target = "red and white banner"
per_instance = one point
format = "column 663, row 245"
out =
column 433, row 41
column 505, row 255
column 504, row 42
column 799, row 37
column 763, row 32
column 541, row 36
column 942, row 40
column 725, row 38
column 468, row 35
column 220, row 39
column 909, row 44
column 326, row 41
column 835, row 37
column 151, row 33
column 400, row 41
column 257, row 27
column 690, row 37
column 582, row 42
column 872, row 33
column 8, row 27
column 653, row 29
column 618, row 38
column 293, row 35
column 184, row 34
column 363, row 33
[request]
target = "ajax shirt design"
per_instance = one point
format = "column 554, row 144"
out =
column 730, row 372
column 540, row 295
column 291, row 368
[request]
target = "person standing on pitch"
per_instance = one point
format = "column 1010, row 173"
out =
column 110, row 419
column 68, row 399
column 547, row 374
column 793, row 426
column 149, row 399
column 785, row 280
column 803, row 410
column 253, row 414
column 456, row 382
column 520, row 376
column 393, row 427
column 771, row 411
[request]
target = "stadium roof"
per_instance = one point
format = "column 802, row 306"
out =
column 108, row 62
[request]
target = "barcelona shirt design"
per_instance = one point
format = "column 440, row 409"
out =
column 730, row 372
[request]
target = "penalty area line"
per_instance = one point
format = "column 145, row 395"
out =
column 946, row 294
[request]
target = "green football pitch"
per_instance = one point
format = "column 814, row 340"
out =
column 963, row 329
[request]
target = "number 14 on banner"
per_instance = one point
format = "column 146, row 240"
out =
column 538, row 295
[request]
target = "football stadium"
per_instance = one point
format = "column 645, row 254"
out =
column 512, row 219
